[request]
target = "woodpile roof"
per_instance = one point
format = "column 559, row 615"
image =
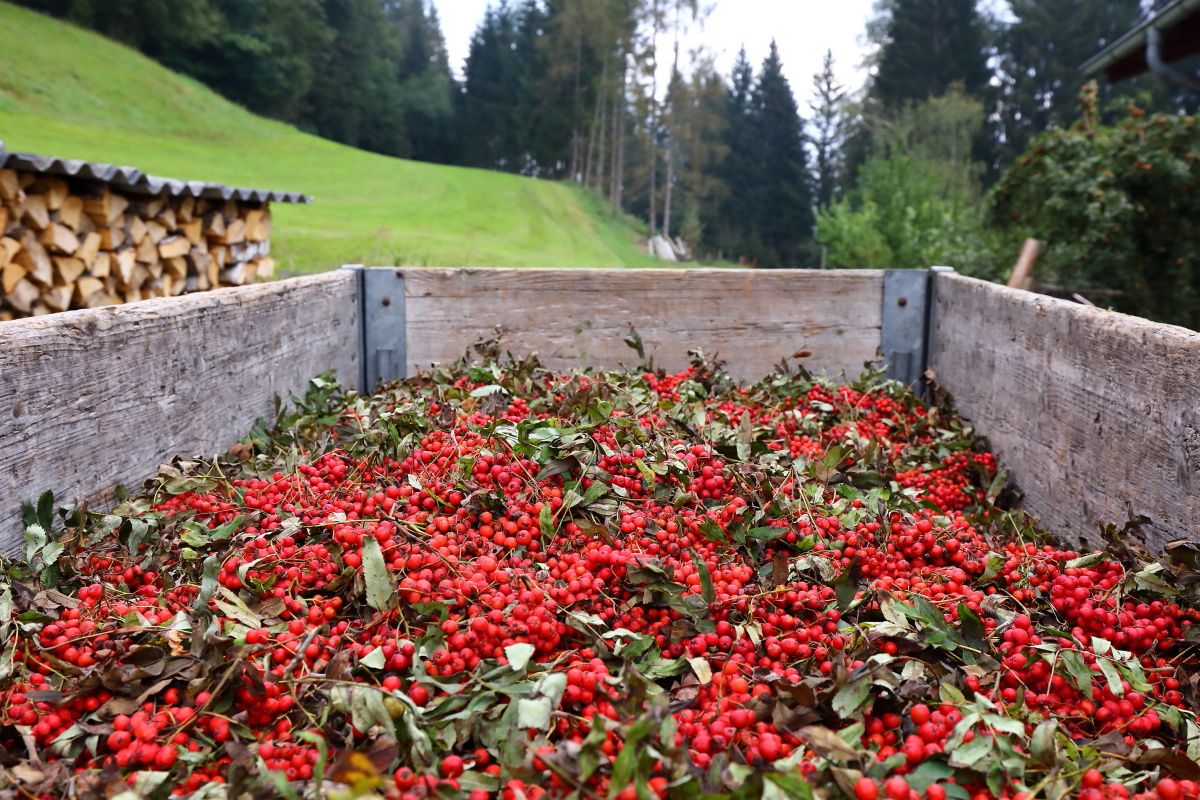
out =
column 133, row 180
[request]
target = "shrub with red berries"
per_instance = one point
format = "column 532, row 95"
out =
column 497, row 582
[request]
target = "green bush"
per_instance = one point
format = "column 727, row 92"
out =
column 1115, row 208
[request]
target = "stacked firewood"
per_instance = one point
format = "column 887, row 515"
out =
column 79, row 244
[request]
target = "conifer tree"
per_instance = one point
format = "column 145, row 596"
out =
column 930, row 45
column 427, row 87
column 828, row 135
column 785, row 212
column 731, row 226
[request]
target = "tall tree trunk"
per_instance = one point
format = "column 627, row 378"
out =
column 601, row 142
column 575, row 147
column 618, row 138
column 654, row 124
column 666, row 226
column 671, row 137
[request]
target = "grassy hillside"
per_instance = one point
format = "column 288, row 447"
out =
column 71, row 93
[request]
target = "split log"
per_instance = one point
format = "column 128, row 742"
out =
column 156, row 231
column 85, row 288
column 176, row 267
column 214, row 225
column 9, row 185
column 186, row 210
column 125, row 264
column 58, row 238
column 89, row 248
column 137, row 229
column 55, row 191
column 105, row 209
column 71, row 212
column 174, row 247
column 58, row 297
column 102, row 265
column 265, row 269
column 147, row 253
column 10, row 276
column 34, row 212
column 234, row 232
column 68, row 269
column 34, row 258
column 111, row 237
column 194, row 230
column 23, row 295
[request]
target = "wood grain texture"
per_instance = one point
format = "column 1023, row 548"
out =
column 93, row 399
column 579, row 317
column 1096, row 414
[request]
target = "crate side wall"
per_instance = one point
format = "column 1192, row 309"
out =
column 1096, row 414
column 98, row 398
column 580, row 317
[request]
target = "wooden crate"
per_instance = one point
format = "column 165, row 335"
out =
column 1092, row 412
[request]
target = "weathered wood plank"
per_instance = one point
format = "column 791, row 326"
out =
column 578, row 317
column 93, row 399
column 1096, row 414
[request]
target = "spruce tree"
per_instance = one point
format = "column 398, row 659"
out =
column 731, row 229
column 930, row 45
column 427, row 87
column 355, row 95
column 785, row 209
column 828, row 135
column 493, row 88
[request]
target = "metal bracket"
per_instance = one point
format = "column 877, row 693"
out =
column 360, row 298
column 902, row 340
column 383, row 354
column 385, row 351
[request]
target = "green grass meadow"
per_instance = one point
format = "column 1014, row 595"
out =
column 68, row 92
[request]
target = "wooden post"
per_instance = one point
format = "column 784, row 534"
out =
column 1022, row 274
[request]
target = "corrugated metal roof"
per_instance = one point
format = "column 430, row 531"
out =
column 1127, row 54
column 132, row 179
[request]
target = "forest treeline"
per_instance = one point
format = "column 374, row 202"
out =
column 892, row 175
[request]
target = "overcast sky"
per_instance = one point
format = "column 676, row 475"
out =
column 803, row 29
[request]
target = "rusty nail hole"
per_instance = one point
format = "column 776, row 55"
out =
column 387, row 301
column 903, row 301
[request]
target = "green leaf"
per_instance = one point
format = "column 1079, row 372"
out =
column 745, row 434
column 972, row 627
column 45, row 511
column 712, row 531
column 1043, row 745
column 534, row 713
column 1077, row 670
column 1109, row 670
column 208, row 581
column 518, row 655
column 485, row 391
column 852, row 697
column 792, row 784
column 546, row 521
column 647, row 474
column 972, row 752
column 1089, row 560
column 992, row 567
column 374, row 659
column 707, row 590
column 381, row 588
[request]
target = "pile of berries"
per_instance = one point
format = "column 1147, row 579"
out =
column 495, row 581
